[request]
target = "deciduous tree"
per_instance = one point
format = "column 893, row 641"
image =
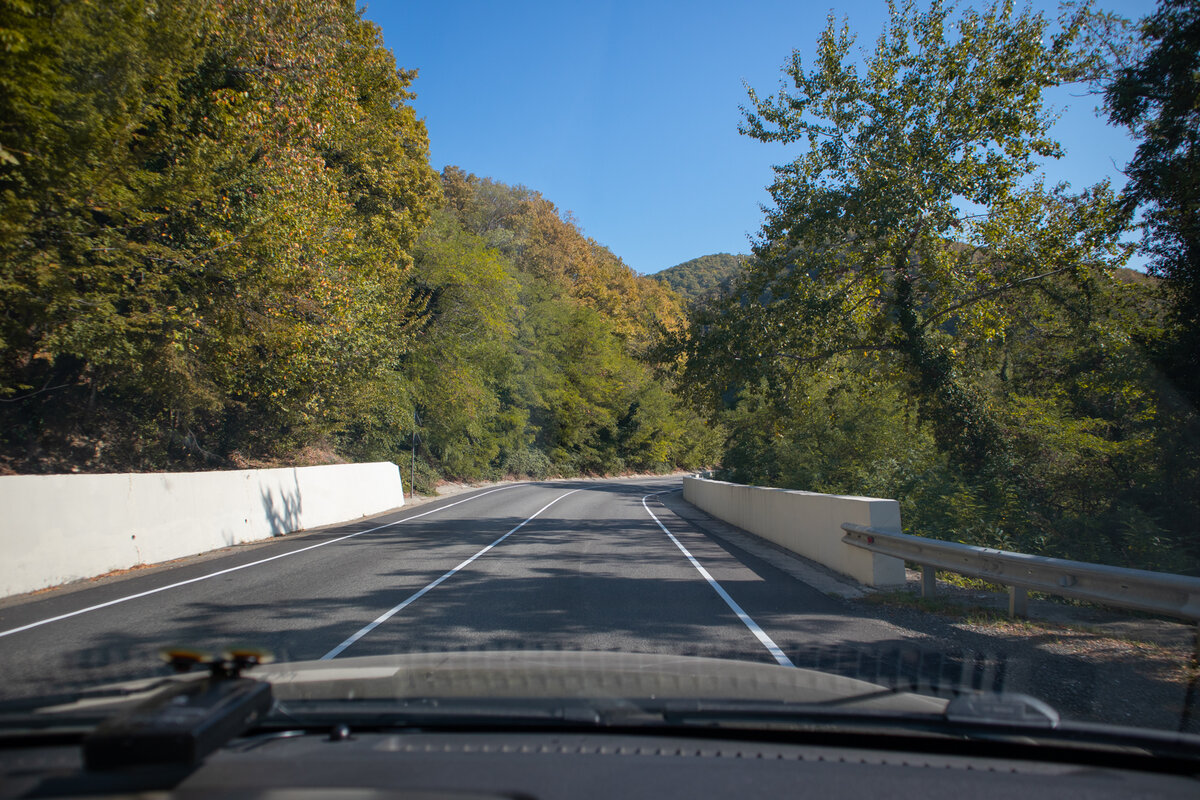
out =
column 913, row 225
column 1157, row 98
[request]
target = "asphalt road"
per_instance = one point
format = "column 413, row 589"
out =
column 580, row 565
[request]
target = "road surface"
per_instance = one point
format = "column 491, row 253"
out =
column 582, row 565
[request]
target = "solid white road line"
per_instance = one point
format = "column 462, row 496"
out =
column 758, row 632
column 245, row 566
column 414, row 597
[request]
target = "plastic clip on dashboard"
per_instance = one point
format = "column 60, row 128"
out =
column 180, row 725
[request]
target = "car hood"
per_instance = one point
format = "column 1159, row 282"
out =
column 578, row 675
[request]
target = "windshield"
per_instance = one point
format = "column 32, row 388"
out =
column 449, row 343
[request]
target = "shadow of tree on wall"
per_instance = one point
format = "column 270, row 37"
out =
column 283, row 512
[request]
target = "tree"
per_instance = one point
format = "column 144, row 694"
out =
column 913, row 227
column 1157, row 98
column 206, row 212
column 463, row 356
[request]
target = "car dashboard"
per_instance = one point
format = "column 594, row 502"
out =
column 559, row 764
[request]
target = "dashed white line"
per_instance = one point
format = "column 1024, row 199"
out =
column 99, row 606
column 382, row 618
column 758, row 632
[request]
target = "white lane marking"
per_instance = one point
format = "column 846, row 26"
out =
column 758, row 632
column 382, row 618
column 245, row 566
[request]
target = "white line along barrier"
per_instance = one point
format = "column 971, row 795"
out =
column 766, row 641
column 59, row 528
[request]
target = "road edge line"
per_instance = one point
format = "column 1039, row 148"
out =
column 766, row 641
column 199, row 578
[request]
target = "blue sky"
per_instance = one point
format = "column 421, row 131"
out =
column 625, row 113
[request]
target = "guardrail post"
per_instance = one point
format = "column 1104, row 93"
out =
column 1018, row 602
column 928, row 580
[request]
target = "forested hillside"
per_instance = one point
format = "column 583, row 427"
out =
column 222, row 244
column 533, row 358
column 702, row 276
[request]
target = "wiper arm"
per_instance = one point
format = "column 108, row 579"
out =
column 1009, row 718
column 1010, row 715
column 432, row 713
column 88, row 702
column 1029, row 725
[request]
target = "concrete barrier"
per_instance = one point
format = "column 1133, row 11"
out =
column 807, row 523
column 59, row 528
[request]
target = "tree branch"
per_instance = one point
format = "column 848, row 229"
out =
column 829, row 353
column 982, row 295
column 33, row 394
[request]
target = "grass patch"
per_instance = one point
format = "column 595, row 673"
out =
column 967, row 582
column 942, row 606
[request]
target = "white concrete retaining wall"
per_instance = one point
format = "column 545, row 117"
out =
column 807, row 523
column 60, row 528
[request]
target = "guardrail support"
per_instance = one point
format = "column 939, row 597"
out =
column 928, row 580
column 1018, row 602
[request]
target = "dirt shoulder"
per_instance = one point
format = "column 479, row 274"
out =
column 1091, row 663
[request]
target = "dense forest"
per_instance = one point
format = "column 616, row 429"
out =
column 536, row 354
column 222, row 245
column 703, row 276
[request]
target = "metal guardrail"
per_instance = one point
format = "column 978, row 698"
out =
column 1156, row 592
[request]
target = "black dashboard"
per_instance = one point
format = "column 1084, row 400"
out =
column 463, row 764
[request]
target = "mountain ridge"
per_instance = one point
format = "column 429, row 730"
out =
column 702, row 275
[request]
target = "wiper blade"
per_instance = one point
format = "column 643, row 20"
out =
column 999, row 710
column 431, row 713
column 794, row 716
column 997, row 718
column 97, row 695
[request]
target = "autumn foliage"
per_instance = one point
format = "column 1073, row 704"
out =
column 221, row 243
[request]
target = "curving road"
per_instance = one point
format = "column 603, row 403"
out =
column 571, row 565
column 620, row 565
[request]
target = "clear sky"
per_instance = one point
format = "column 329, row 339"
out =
column 625, row 112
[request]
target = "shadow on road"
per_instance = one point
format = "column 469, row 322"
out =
column 597, row 584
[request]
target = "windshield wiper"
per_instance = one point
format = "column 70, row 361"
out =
column 84, row 698
column 991, row 718
column 423, row 713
